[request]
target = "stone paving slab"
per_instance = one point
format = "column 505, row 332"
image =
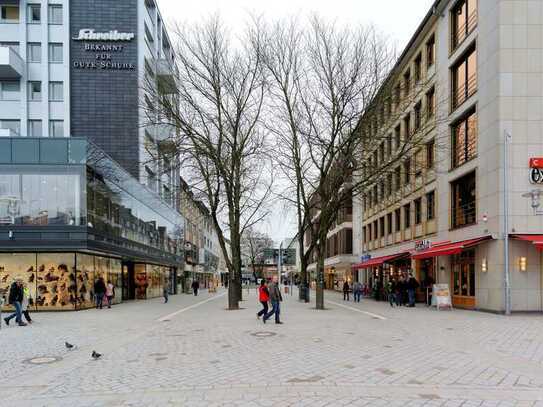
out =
column 191, row 352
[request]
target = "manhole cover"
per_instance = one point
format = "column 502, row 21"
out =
column 263, row 334
column 42, row 360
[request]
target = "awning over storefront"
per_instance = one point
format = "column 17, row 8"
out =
column 377, row 261
column 445, row 249
column 536, row 240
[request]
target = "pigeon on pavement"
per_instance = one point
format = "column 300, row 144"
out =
column 95, row 355
column 69, row 346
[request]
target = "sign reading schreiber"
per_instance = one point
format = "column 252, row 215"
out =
column 103, row 55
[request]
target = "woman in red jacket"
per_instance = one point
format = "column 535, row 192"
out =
column 263, row 297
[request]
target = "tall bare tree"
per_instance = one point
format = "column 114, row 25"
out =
column 255, row 243
column 218, row 135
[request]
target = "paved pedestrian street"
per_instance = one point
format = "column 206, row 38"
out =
column 193, row 352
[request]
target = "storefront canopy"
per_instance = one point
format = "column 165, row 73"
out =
column 537, row 240
column 377, row 261
column 445, row 249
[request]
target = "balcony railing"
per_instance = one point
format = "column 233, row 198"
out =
column 464, row 91
column 464, row 215
column 463, row 30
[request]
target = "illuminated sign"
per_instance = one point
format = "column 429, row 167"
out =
column 536, row 170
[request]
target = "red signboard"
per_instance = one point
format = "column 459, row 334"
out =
column 536, row 162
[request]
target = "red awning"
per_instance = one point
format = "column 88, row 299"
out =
column 537, row 240
column 377, row 261
column 445, row 249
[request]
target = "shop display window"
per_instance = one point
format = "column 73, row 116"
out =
column 56, row 284
column 140, row 276
column 464, row 274
column 85, row 281
column 115, row 277
column 14, row 266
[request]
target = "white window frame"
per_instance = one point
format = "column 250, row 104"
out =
column 29, row 8
column 52, row 132
column 31, row 46
column 52, row 91
column 31, row 128
column 31, row 92
column 3, row 97
column 50, row 14
column 52, row 47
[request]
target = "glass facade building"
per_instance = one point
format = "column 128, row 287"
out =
column 69, row 215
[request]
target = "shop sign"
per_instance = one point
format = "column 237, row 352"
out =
column 536, row 170
column 422, row 245
column 365, row 258
column 88, row 34
column 441, row 296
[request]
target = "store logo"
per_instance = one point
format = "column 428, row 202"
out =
column 88, row 34
column 536, row 170
column 422, row 245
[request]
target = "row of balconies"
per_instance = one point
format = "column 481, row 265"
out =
column 425, row 228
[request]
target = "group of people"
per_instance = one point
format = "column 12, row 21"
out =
column 103, row 290
column 357, row 288
column 401, row 291
column 271, row 294
column 19, row 298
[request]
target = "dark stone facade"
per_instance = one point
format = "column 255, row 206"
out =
column 104, row 95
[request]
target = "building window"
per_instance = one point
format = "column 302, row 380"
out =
column 375, row 230
column 34, row 52
column 464, row 140
column 10, row 90
column 407, row 82
column 10, row 128
column 56, row 91
column 364, row 236
column 418, row 68
column 464, row 203
column 430, row 205
column 389, row 184
column 430, row 103
column 389, row 145
column 34, row 91
column 9, row 14
column 419, row 163
column 418, row 116
column 389, row 223
column 430, row 51
column 430, row 151
column 56, row 128
column 464, row 78
column 464, row 20
column 382, row 152
column 34, row 128
column 398, row 178
column 407, row 171
column 382, row 226
column 407, row 126
column 398, row 219
column 418, row 211
column 34, row 14
column 398, row 136
column 407, row 215
column 398, row 94
column 55, row 14
column 55, row 53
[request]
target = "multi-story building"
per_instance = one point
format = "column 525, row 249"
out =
column 202, row 250
column 86, row 184
column 472, row 75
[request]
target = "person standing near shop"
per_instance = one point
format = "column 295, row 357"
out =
column 166, row 291
column 99, row 291
column 195, row 287
column 357, row 291
column 346, row 290
column 26, row 303
column 110, row 293
column 15, row 298
column 412, row 285
column 263, row 297
column 275, row 298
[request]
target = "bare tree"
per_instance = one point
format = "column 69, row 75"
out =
column 255, row 244
column 218, row 135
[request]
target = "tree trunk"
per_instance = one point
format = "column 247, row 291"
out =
column 319, row 295
column 234, row 288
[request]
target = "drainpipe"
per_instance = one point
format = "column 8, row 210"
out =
column 507, row 279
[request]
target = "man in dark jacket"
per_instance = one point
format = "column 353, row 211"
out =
column 99, row 292
column 275, row 298
column 16, row 298
column 195, row 287
column 412, row 285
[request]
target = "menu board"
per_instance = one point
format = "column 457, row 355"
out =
column 441, row 296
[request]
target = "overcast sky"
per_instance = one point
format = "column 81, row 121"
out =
column 397, row 18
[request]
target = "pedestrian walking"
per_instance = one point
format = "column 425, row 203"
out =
column 275, row 298
column 412, row 285
column 166, row 291
column 392, row 289
column 26, row 303
column 401, row 290
column 99, row 291
column 110, row 293
column 195, row 287
column 357, row 291
column 15, row 298
column 345, row 290
column 263, row 297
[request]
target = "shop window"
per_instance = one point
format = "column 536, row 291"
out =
column 464, row 78
column 407, row 215
column 398, row 219
column 17, row 265
column 464, row 140
column 464, row 203
column 464, row 20
column 418, row 211
column 463, row 275
column 430, row 205
column 56, row 281
column 430, row 51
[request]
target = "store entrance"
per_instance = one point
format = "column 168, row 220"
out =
column 129, row 288
column 463, row 279
column 426, row 277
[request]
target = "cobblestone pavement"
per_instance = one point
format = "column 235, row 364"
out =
column 192, row 352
